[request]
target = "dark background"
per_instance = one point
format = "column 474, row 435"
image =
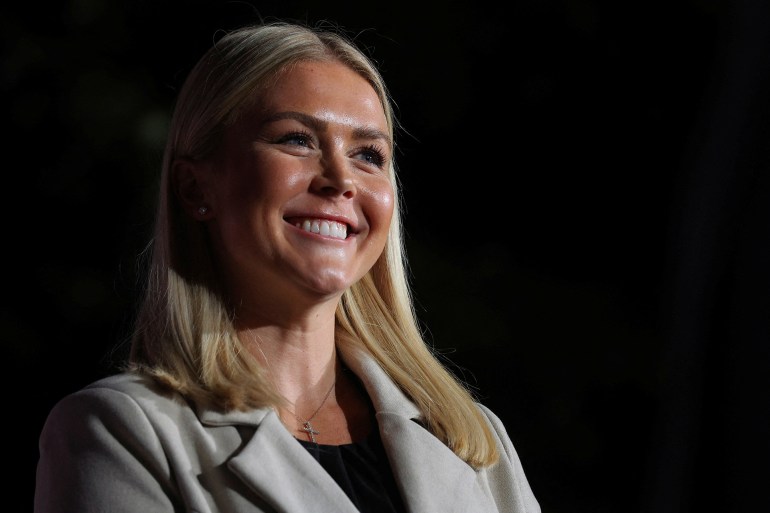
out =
column 588, row 219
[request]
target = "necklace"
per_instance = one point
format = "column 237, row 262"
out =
column 306, row 426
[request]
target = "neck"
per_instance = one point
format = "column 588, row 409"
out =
column 301, row 365
column 295, row 351
column 300, row 415
column 304, row 404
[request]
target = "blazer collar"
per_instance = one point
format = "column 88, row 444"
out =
column 281, row 471
column 429, row 475
column 385, row 395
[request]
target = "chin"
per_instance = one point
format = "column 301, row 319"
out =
column 330, row 285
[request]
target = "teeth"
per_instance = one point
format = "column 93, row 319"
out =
column 326, row 228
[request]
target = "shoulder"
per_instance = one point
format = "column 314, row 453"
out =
column 121, row 419
column 129, row 386
column 491, row 417
column 498, row 429
column 506, row 479
column 502, row 438
column 120, row 400
column 112, row 437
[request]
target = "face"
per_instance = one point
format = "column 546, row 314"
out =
column 300, row 194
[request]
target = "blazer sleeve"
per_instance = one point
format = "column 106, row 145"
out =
column 506, row 480
column 99, row 452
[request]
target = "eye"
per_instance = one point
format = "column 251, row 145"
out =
column 296, row 138
column 373, row 154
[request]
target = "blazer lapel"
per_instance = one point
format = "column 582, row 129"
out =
column 280, row 470
column 430, row 475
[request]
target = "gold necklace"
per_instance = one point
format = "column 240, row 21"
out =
column 305, row 425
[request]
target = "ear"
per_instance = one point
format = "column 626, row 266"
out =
column 189, row 179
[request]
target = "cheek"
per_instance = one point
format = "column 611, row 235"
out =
column 265, row 180
column 380, row 203
column 279, row 175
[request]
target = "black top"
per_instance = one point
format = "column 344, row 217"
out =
column 362, row 470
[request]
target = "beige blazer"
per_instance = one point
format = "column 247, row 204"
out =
column 120, row 445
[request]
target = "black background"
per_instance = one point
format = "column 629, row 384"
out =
column 588, row 219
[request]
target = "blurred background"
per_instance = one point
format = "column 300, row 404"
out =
column 588, row 219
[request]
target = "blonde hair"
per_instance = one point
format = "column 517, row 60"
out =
column 184, row 334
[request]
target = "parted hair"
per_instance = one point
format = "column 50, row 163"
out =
column 184, row 335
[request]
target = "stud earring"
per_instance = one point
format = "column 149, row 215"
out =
column 203, row 210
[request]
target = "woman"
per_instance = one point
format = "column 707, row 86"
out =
column 277, row 364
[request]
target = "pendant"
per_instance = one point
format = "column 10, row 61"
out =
column 307, row 427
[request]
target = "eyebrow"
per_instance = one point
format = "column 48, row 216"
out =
column 360, row 132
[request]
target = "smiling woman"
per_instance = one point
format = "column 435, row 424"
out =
column 276, row 363
column 309, row 159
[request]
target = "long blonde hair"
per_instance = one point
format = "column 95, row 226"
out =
column 184, row 334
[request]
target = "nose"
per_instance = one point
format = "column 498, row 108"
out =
column 335, row 177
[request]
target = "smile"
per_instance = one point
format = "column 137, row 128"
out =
column 323, row 227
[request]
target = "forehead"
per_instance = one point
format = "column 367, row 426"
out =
column 328, row 90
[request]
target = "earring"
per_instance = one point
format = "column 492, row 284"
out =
column 203, row 210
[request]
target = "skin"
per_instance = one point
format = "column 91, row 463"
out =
column 314, row 146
